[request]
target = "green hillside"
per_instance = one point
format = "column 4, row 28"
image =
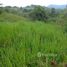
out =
column 9, row 17
column 21, row 42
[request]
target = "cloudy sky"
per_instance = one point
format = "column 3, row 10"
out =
column 29, row 2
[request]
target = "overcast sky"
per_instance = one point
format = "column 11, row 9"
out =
column 29, row 2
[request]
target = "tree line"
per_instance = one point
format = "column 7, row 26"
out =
column 36, row 12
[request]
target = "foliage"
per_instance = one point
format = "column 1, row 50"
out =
column 53, row 12
column 22, row 39
column 38, row 13
column 20, row 43
column 1, row 10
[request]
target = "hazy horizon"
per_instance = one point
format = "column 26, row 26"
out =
column 23, row 3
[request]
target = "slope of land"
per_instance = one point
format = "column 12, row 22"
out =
column 21, row 42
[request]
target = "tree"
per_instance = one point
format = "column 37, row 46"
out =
column 0, row 8
column 38, row 13
column 53, row 12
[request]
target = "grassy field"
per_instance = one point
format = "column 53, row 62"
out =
column 21, row 41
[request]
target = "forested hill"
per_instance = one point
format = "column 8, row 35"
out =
column 57, row 6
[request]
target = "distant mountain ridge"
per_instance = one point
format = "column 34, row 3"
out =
column 57, row 6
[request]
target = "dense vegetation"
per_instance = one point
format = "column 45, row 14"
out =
column 25, row 32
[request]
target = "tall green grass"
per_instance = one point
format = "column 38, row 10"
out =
column 20, row 43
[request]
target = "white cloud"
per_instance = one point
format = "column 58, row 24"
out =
column 29, row 2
